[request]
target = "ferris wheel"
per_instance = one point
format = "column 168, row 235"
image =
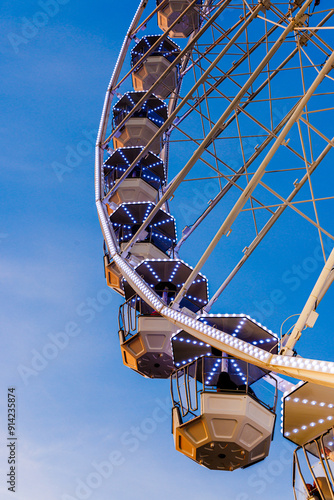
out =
column 236, row 99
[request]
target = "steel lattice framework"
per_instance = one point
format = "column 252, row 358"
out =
column 251, row 111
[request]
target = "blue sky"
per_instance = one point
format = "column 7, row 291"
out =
column 79, row 410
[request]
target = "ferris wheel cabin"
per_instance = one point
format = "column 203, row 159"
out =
column 142, row 184
column 221, row 418
column 219, row 424
column 145, row 336
column 155, row 65
column 143, row 124
column 186, row 23
column 159, row 235
column 145, row 341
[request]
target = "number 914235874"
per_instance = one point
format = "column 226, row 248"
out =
column 11, row 411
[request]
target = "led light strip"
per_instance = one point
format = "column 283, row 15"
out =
column 312, row 370
column 160, row 48
column 304, row 368
column 306, row 427
column 242, row 316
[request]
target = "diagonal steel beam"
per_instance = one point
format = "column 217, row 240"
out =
column 178, row 59
column 266, row 228
column 217, row 128
column 309, row 307
column 200, row 149
column 242, row 169
column 226, row 226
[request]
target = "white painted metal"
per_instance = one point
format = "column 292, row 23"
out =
column 317, row 371
column 257, row 152
column 321, row 372
column 249, row 250
column 303, row 320
column 167, row 71
column 227, row 224
column 216, row 129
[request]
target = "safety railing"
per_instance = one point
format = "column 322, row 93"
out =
column 128, row 315
column 313, row 469
column 204, row 375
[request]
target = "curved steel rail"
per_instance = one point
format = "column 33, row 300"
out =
column 321, row 372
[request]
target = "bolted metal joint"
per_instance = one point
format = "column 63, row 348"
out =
column 266, row 5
